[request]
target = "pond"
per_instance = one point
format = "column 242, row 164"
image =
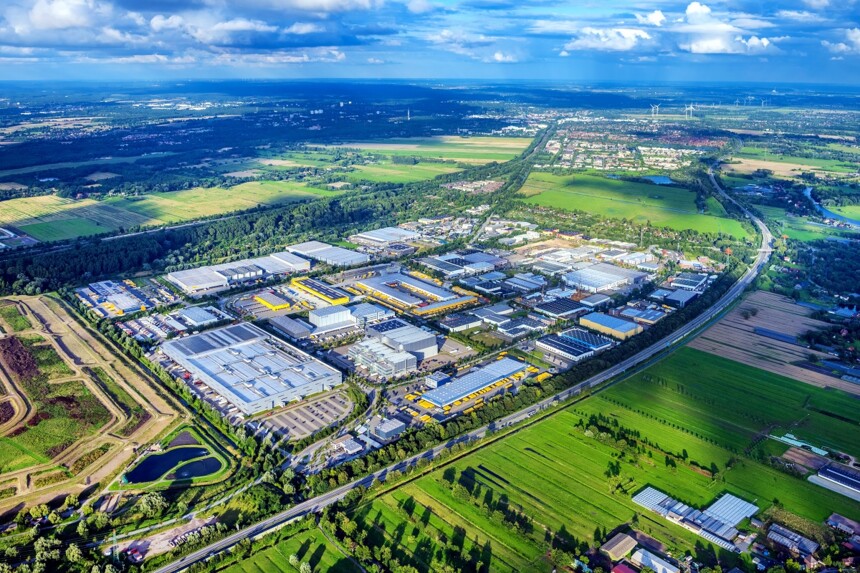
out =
column 660, row 180
column 156, row 465
column 198, row 468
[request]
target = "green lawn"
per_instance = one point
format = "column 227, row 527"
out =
column 852, row 211
column 667, row 206
column 798, row 228
column 309, row 546
column 476, row 150
column 823, row 164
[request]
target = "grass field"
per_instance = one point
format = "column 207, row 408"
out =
column 667, row 206
column 798, row 228
column 809, row 162
column 309, row 546
column 475, row 150
column 852, row 211
column 558, row 472
column 388, row 172
column 16, row 321
column 52, row 218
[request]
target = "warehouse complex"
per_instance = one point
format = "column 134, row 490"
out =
column 319, row 290
column 716, row 523
column 218, row 277
column 249, row 368
column 611, row 325
column 602, row 277
column 494, row 373
column 408, row 293
column 325, row 253
column 455, row 265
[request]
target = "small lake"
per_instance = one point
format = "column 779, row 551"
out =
column 196, row 469
column 156, row 465
column 660, row 180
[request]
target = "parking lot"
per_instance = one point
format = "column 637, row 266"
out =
column 303, row 419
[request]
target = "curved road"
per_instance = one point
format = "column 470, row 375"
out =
column 318, row 503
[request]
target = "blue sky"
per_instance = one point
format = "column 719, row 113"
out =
column 596, row 40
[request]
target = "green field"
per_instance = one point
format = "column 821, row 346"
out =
column 565, row 472
column 52, row 218
column 13, row 318
column 474, row 150
column 797, row 228
column 822, row 164
column 851, row 211
column 309, row 546
column 672, row 207
column 388, row 172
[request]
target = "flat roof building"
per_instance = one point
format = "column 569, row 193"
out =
column 325, row 253
column 320, row 290
column 403, row 336
column 197, row 316
column 690, row 281
column 218, row 277
column 680, row 298
column 273, row 300
column 384, row 237
column 644, row 558
column 389, row 429
column 611, row 325
column 475, row 380
column 291, row 327
column 380, row 359
column 249, row 368
column 561, row 308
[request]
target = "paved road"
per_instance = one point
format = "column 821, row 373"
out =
column 318, row 503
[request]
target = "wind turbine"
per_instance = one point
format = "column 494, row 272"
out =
column 655, row 110
column 737, row 102
column 688, row 111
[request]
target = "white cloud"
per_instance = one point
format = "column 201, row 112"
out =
column 705, row 33
column 159, row 22
column 817, row 4
column 282, row 57
column 564, row 53
column 851, row 45
column 375, row 61
column 555, row 27
column 302, row 28
column 420, row 6
column 608, row 39
column 800, row 16
column 63, row 14
column 655, row 18
column 459, row 41
column 222, row 32
column 503, row 58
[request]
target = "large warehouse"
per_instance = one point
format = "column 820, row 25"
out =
column 217, row 277
column 325, row 253
column 406, row 292
column 474, row 381
column 611, row 325
column 384, row 237
column 574, row 344
column 249, row 368
column 403, row 336
column 602, row 277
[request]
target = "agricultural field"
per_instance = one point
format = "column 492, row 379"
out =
column 472, row 150
column 389, row 172
column 795, row 227
column 578, row 469
column 751, row 159
column 308, row 546
column 663, row 205
column 52, row 218
column 851, row 211
column 735, row 337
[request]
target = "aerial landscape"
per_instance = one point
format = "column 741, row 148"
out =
column 422, row 286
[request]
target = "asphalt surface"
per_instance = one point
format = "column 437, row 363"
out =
column 318, row 503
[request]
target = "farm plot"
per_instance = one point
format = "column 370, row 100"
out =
column 12, row 317
column 308, row 546
column 473, row 150
column 731, row 404
column 795, row 227
column 750, row 334
column 389, row 172
column 52, row 218
column 667, row 206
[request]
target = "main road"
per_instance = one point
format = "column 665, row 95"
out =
column 318, row 503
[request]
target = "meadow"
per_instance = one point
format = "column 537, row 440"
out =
column 667, row 206
column 472, row 150
column 798, row 228
column 851, row 211
column 52, row 218
column 309, row 546
column 389, row 172
column 761, row 154
column 13, row 318
column 568, row 475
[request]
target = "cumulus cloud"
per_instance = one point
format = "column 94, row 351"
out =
column 503, row 58
column 800, row 16
column 817, row 4
column 706, row 33
column 420, row 6
column 459, row 41
column 850, row 45
column 159, row 22
column 63, row 14
column 375, row 61
column 655, row 18
column 608, row 39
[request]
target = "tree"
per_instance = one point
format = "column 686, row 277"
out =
column 152, row 504
column 294, row 560
column 305, row 567
column 74, row 553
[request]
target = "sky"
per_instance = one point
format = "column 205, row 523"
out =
column 811, row 41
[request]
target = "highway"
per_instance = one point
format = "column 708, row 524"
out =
column 318, row 503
